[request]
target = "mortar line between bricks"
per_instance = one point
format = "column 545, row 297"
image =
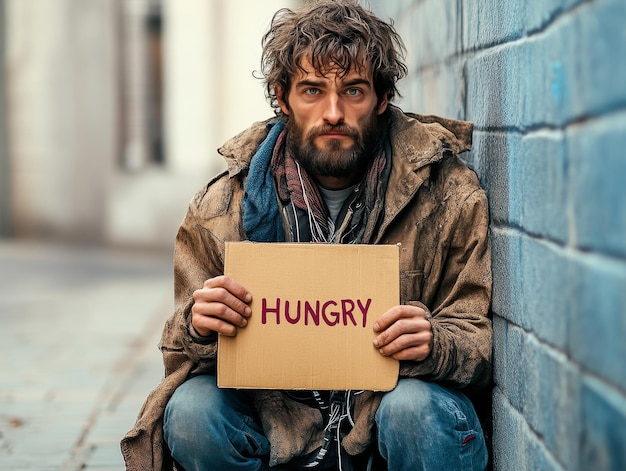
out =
column 608, row 391
column 522, row 36
column 512, row 40
column 556, row 16
column 557, row 353
column 611, row 258
column 465, row 55
column 551, row 349
column 532, row 433
column 615, row 111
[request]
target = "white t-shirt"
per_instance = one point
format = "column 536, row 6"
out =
column 335, row 199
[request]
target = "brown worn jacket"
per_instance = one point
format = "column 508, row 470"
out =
column 434, row 208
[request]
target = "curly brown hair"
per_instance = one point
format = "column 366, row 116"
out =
column 331, row 34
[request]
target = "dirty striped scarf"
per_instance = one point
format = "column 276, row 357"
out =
column 295, row 185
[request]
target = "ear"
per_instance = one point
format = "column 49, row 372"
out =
column 281, row 99
column 382, row 104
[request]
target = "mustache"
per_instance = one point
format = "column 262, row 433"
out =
column 338, row 128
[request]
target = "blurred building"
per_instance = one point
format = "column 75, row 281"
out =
column 111, row 111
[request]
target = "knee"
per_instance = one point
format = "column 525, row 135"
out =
column 210, row 428
column 410, row 401
column 428, row 424
column 419, row 406
column 191, row 401
column 190, row 410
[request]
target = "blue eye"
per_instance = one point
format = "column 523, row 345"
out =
column 311, row 91
column 353, row 92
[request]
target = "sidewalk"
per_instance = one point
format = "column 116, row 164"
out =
column 79, row 329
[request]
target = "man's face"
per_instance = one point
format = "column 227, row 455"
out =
column 332, row 123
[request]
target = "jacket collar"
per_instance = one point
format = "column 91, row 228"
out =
column 238, row 151
column 418, row 141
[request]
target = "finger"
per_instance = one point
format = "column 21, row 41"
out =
column 213, row 296
column 230, row 285
column 401, row 327
column 396, row 313
column 221, row 311
column 417, row 353
column 204, row 325
column 406, row 341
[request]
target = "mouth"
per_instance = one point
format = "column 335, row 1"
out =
column 334, row 135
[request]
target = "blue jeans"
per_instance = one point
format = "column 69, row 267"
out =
column 420, row 426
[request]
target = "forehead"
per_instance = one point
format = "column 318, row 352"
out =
column 334, row 73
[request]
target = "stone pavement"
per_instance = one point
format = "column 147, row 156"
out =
column 79, row 329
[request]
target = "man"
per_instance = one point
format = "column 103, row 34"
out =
column 338, row 164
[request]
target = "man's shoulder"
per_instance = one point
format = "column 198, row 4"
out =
column 436, row 142
column 238, row 150
column 457, row 177
column 216, row 196
column 456, row 133
column 422, row 137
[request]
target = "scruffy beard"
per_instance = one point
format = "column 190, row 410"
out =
column 333, row 160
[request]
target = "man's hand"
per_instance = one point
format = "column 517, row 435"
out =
column 221, row 305
column 404, row 333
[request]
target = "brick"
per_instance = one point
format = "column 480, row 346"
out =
column 523, row 358
column 537, row 457
column 515, row 448
column 604, row 434
column 507, row 300
column 549, row 78
column 543, row 13
column 596, row 184
column 552, row 402
column 521, row 85
column 571, row 71
column 508, row 433
column 554, row 77
column 532, row 285
column 500, row 331
column 600, row 47
column 494, row 87
column 546, row 291
column 480, row 155
column 489, row 153
column 538, row 175
column 512, row 381
column 549, row 88
column 488, row 22
column 515, row 186
column 597, row 322
column 536, row 378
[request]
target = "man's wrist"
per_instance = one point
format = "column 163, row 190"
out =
column 201, row 339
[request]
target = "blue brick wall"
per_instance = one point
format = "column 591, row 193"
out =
column 545, row 85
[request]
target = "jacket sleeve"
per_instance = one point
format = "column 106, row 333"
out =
column 197, row 257
column 462, row 332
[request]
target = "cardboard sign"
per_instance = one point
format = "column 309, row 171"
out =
column 313, row 309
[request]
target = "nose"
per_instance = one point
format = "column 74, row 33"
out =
column 333, row 109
